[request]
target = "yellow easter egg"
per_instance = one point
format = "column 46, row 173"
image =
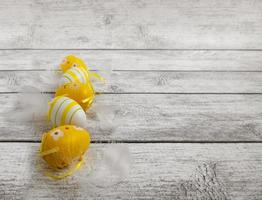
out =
column 63, row 110
column 63, row 145
column 83, row 94
column 72, row 61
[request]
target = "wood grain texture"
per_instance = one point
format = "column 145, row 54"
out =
column 190, row 60
column 158, row 171
column 160, row 52
column 204, row 24
column 143, row 82
column 152, row 117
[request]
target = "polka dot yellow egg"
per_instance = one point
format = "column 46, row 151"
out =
column 62, row 145
column 83, row 94
column 72, row 61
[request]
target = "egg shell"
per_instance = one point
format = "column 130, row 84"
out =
column 63, row 110
column 70, row 61
column 75, row 74
column 63, row 145
column 83, row 94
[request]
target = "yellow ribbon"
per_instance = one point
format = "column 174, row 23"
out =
column 96, row 75
column 50, row 151
column 66, row 174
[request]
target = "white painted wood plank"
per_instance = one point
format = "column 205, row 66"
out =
column 158, row 171
column 153, row 117
column 190, row 60
column 143, row 82
column 204, row 24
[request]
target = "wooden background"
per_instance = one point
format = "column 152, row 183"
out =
column 186, row 87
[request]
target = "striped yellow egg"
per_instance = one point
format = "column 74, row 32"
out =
column 63, row 145
column 75, row 74
column 63, row 110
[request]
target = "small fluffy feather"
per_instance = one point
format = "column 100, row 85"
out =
column 103, row 114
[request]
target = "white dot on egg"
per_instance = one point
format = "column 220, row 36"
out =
column 56, row 134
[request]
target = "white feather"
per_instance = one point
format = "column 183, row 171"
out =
column 31, row 105
column 103, row 115
column 106, row 74
column 47, row 81
column 109, row 166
